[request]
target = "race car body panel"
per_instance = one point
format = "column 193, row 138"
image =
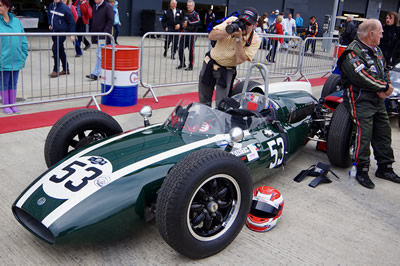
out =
column 113, row 181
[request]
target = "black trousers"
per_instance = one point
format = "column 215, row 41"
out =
column 272, row 52
column 59, row 53
column 186, row 41
column 174, row 39
column 307, row 44
column 80, row 27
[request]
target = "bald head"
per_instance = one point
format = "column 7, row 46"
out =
column 370, row 32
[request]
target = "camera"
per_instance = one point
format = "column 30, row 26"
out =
column 235, row 26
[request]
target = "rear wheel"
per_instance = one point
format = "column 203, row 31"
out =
column 340, row 140
column 331, row 85
column 252, row 87
column 75, row 130
column 203, row 202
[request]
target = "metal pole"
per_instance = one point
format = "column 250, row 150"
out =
column 333, row 21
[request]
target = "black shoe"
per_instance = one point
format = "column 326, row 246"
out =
column 387, row 173
column 180, row 66
column 92, row 77
column 363, row 179
column 87, row 47
column 189, row 68
column 78, row 55
column 165, row 54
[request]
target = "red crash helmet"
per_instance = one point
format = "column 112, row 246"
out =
column 266, row 209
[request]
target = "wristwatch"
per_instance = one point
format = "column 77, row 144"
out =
column 238, row 39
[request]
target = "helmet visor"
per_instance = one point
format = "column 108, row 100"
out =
column 263, row 210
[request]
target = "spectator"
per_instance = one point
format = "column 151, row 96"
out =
column 60, row 20
column 172, row 21
column 312, row 31
column 260, row 30
column 390, row 34
column 299, row 24
column 349, row 32
column 102, row 21
column 230, row 50
column 367, row 84
column 265, row 22
column 290, row 25
column 275, row 42
column 73, row 39
column 209, row 17
column 84, row 10
column 14, row 50
column 272, row 16
column 117, row 22
column 190, row 24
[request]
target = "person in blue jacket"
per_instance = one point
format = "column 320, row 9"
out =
column 60, row 20
column 14, row 50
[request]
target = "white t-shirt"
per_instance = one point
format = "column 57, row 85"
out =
column 288, row 26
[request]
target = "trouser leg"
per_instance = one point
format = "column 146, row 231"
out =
column 205, row 90
column 182, row 41
column 192, row 40
column 56, row 53
column 381, row 137
column 63, row 55
column 223, row 89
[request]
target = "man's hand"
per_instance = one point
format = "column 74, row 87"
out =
column 237, row 34
column 383, row 95
column 184, row 24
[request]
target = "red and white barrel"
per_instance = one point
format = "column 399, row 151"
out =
column 126, row 75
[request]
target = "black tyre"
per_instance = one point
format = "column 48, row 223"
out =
column 253, row 87
column 340, row 140
column 204, row 202
column 331, row 85
column 75, row 130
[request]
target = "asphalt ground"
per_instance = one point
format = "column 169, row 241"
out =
column 331, row 224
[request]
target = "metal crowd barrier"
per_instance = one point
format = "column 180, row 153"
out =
column 34, row 84
column 286, row 62
column 318, row 56
column 157, row 70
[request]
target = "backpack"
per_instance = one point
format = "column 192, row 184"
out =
column 272, row 28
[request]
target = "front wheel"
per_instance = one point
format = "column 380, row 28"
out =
column 75, row 130
column 331, row 85
column 203, row 203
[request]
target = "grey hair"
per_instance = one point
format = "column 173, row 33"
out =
column 351, row 17
column 368, row 26
column 191, row 2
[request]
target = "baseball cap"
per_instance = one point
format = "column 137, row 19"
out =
column 249, row 14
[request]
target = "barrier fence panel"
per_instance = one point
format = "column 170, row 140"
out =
column 161, row 70
column 35, row 85
column 318, row 56
column 280, row 53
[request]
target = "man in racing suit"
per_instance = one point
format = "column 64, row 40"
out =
column 190, row 24
column 367, row 84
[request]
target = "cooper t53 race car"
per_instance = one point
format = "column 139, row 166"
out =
column 193, row 173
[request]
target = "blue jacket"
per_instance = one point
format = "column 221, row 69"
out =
column 116, row 18
column 61, row 18
column 14, row 49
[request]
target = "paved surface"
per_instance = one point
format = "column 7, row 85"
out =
column 330, row 224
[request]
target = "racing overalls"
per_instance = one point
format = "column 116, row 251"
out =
column 363, row 74
column 193, row 21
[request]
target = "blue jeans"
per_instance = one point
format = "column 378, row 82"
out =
column 8, row 80
column 97, row 68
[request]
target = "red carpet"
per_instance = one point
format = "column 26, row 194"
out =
column 43, row 119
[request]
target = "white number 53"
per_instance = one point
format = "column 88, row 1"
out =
column 276, row 147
